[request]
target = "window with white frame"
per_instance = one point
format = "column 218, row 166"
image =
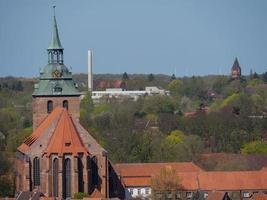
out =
column 138, row 191
column 178, row 195
column 147, row 191
column 246, row 194
column 189, row 195
column 131, row 191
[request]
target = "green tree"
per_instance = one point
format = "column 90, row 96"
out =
column 175, row 86
column 166, row 180
column 264, row 77
column 173, row 77
column 255, row 147
column 151, row 77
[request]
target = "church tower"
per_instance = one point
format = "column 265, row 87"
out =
column 60, row 157
column 56, row 87
column 236, row 70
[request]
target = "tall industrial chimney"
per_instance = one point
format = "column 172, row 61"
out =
column 90, row 70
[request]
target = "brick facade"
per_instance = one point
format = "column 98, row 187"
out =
column 39, row 107
column 81, row 175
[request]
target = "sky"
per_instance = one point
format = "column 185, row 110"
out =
column 185, row 37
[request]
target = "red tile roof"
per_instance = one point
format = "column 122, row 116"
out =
column 139, row 174
column 148, row 169
column 65, row 138
column 39, row 130
column 241, row 180
column 188, row 181
column 193, row 178
column 259, row 196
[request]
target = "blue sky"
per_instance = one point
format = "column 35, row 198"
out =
column 136, row 36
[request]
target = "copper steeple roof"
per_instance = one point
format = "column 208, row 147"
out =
column 55, row 41
column 65, row 139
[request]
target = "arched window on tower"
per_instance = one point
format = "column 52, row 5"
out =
column 55, row 177
column 49, row 106
column 66, row 104
column 36, row 171
column 66, row 178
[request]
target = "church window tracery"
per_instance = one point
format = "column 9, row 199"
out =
column 67, row 179
column 55, row 177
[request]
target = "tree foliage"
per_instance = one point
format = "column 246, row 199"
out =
column 166, row 180
column 255, row 147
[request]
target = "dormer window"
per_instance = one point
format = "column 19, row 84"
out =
column 57, row 89
column 67, row 143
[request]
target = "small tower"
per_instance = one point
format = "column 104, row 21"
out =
column 236, row 70
column 56, row 87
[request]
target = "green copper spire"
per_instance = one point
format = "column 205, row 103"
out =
column 55, row 42
column 55, row 78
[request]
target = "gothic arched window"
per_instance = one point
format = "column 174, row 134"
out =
column 30, row 174
column 80, row 175
column 67, row 179
column 94, row 177
column 66, row 104
column 36, row 171
column 49, row 106
column 55, row 177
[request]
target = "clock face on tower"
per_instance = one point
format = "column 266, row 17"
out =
column 56, row 74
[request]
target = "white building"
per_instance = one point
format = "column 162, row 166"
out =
column 132, row 94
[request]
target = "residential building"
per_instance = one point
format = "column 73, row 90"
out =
column 238, row 184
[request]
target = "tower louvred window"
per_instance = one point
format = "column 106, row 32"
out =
column 66, row 104
column 49, row 106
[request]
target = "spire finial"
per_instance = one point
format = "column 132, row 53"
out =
column 55, row 42
column 54, row 8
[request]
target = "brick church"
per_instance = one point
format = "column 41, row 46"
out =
column 61, row 158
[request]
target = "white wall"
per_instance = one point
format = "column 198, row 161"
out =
column 134, row 190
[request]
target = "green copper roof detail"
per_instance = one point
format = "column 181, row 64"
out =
column 56, row 88
column 55, row 78
column 55, row 42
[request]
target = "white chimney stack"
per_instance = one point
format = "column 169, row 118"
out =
column 90, row 70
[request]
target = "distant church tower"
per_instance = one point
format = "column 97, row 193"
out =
column 236, row 70
column 55, row 87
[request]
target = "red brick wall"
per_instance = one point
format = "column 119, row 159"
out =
column 39, row 107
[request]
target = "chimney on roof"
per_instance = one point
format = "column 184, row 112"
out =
column 90, row 70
